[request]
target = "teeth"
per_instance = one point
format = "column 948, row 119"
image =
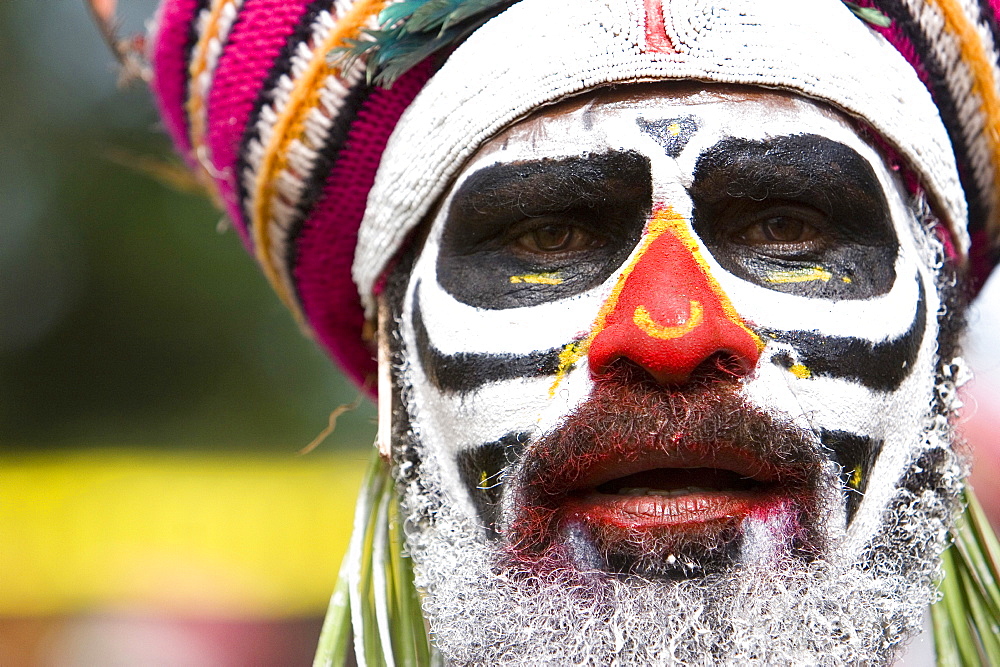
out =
column 677, row 492
column 633, row 491
column 642, row 491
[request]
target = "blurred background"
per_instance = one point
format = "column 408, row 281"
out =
column 154, row 395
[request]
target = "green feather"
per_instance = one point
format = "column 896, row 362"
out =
column 967, row 617
column 467, row 10
column 411, row 31
column 869, row 14
column 431, row 15
column 398, row 12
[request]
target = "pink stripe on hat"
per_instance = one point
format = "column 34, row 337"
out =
column 255, row 43
column 170, row 69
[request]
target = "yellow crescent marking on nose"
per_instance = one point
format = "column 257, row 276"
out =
column 644, row 321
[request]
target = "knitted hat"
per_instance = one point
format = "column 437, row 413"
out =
column 321, row 170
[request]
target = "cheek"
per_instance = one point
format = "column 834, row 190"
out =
column 893, row 417
column 475, row 376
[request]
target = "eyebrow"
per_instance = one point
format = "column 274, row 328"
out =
column 536, row 187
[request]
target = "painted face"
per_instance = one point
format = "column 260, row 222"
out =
column 673, row 348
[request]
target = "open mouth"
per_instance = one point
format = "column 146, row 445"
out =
column 674, row 494
column 677, row 512
column 671, row 497
column 644, row 480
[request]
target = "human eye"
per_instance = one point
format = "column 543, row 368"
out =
column 520, row 233
column 548, row 237
column 781, row 229
column 801, row 213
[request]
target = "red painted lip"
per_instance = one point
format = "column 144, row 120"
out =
column 709, row 486
column 689, row 511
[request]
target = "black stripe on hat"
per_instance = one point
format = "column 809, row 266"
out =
column 988, row 17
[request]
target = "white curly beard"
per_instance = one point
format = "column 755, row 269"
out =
column 483, row 611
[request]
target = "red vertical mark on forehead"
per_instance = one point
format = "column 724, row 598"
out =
column 667, row 313
column 656, row 29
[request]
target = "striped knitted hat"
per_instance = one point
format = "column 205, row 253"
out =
column 322, row 171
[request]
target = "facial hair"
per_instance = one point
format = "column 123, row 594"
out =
column 631, row 420
column 483, row 611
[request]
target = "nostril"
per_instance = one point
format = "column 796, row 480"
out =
column 627, row 371
column 722, row 365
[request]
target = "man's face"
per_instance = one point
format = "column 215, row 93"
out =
column 670, row 372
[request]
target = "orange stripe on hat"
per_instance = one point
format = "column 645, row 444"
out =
column 984, row 87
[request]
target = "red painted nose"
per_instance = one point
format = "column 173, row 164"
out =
column 668, row 315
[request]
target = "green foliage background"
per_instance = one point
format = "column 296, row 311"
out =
column 125, row 317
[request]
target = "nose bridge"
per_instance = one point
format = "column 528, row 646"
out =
column 667, row 313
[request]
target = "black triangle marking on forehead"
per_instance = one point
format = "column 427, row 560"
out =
column 467, row 371
column 878, row 366
column 672, row 134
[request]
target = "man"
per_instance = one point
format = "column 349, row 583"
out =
column 666, row 295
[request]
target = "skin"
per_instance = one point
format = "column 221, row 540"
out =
column 669, row 331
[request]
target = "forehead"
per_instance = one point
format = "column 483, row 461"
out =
column 673, row 120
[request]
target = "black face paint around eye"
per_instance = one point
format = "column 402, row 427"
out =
column 605, row 198
column 823, row 189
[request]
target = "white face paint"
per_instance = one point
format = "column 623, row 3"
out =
column 658, row 339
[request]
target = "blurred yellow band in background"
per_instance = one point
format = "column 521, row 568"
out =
column 235, row 535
